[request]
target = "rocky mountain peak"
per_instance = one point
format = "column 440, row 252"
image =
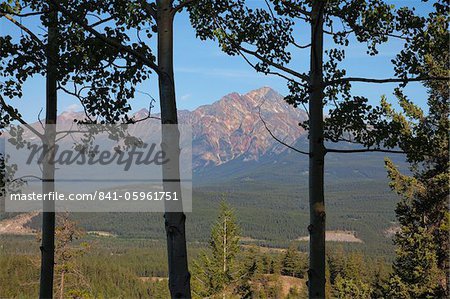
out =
column 230, row 128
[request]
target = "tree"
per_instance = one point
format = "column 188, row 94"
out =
column 293, row 264
column 68, row 248
column 97, row 53
column 266, row 38
column 48, row 169
column 48, row 216
column 216, row 273
column 158, row 15
column 351, row 288
column 421, row 266
column 64, row 56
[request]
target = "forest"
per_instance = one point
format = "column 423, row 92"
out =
column 336, row 188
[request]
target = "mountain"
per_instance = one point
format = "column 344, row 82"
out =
column 230, row 140
column 229, row 129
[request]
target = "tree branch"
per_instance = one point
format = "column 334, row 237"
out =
column 388, row 80
column 145, row 60
column 276, row 138
column 11, row 111
column 268, row 72
column 274, row 64
column 24, row 14
column 150, row 8
column 301, row 46
column 297, row 8
column 32, row 35
column 79, row 97
column 241, row 49
column 182, row 5
column 101, row 21
column 364, row 150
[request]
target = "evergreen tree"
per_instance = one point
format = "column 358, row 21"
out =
column 67, row 270
column 216, row 273
column 421, row 267
column 294, row 263
column 347, row 288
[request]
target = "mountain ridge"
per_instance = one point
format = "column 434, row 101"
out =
column 229, row 128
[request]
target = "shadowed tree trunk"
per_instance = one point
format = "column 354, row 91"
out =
column 163, row 12
column 48, row 215
column 179, row 277
column 317, row 151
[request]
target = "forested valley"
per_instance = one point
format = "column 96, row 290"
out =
column 224, row 149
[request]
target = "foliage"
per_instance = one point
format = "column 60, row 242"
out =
column 267, row 37
column 421, row 266
column 120, row 267
column 102, row 79
column 293, row 263
column 215, row 272
column 66, row 254
column 425, row 37
column 351, row 289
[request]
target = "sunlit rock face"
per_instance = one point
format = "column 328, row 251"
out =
column 230, row 128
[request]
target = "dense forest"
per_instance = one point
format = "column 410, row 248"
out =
column 108, row 267
column 260, row 224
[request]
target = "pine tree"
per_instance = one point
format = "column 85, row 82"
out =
column 216, row 273
column 294, row 263
column 421, row 267
column 67, row 271
column 352, row 288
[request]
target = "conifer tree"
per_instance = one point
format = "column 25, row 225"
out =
column 294, row 263
column 421, row 267
column 67, row 271
column 216, row 272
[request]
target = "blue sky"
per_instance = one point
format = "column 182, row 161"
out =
column 204, row 74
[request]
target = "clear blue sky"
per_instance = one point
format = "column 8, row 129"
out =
column 204, row 74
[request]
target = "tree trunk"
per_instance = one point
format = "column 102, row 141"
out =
column 179, row 277
column 48, row 215
column 316, row 160
column 61, row 287
column 224, row 254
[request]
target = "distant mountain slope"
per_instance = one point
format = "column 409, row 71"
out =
column 230, row 141
column 228, row 129
column 231, row 128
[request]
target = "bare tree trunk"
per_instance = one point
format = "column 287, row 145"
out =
column 316, row 160
column 48, row 215
column 179, row 277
